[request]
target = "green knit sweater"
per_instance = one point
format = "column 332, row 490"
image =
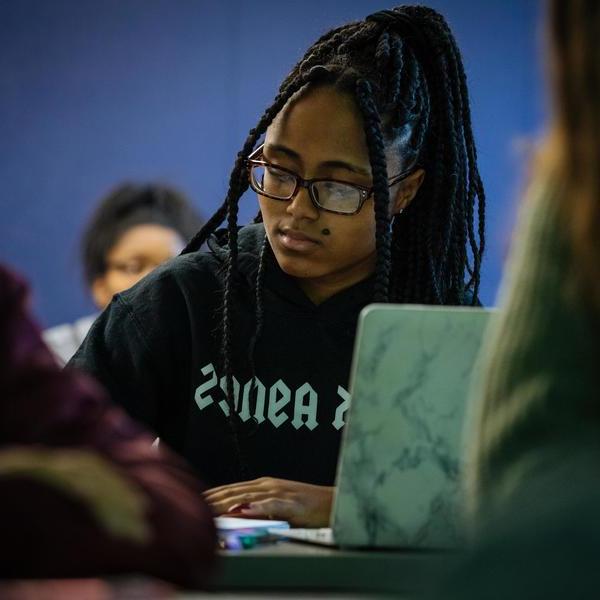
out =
column 539, row 377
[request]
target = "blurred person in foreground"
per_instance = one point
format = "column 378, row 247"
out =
column 135, row 228
column 82, row 492
column 534, row 478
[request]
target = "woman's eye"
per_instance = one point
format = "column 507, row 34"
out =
column 134, row 269
column 279, row 175
column 129, row 268
column 335, row 190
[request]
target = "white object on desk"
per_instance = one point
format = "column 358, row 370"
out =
column 322, row 535
column 234, row 523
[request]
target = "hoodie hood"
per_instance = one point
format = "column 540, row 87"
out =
column 250, row 241
column 165, row 335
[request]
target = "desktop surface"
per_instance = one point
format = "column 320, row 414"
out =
column 280, row 570
column 305, row 567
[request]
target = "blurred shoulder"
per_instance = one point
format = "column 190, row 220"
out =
column 197, row 274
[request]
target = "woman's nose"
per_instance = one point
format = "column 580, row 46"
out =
column 302, row 207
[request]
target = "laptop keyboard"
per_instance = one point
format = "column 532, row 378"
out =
column 323, row 535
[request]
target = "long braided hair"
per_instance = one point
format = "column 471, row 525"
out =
column 404, row 69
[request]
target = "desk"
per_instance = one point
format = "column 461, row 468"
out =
column 304, row 568
column 283, row 570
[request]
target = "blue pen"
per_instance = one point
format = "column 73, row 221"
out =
column 245, row 539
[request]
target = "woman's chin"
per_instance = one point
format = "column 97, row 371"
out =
column 297, row 268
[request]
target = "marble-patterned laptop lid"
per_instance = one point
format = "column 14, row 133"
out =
column 398, row 473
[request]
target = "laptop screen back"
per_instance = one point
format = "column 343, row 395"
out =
column 398, row 473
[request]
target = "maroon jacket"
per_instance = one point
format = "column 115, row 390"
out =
column 45, row 533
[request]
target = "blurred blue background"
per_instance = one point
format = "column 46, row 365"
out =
column 96, row 92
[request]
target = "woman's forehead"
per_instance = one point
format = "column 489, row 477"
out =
column 323, row 126
column 147, row 239
column 323, row 123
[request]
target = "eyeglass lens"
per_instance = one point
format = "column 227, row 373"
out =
column 330, row 195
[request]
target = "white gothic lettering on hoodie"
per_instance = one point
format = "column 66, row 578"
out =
column 277, row 404
column 157, row 350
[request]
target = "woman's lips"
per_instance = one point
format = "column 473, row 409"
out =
column 293, row 239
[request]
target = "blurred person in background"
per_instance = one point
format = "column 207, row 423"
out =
column 134, row 229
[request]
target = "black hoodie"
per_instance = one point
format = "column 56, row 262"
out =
column 156, row 348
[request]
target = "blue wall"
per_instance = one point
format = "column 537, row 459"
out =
column 92, row 93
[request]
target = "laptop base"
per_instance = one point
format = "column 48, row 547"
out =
column 322, row 536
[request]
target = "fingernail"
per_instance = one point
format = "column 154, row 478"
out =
column 249, row 509
column 239, row 507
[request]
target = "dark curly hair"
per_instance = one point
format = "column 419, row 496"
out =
column 125, row 207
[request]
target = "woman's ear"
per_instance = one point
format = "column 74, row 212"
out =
column 406, row 190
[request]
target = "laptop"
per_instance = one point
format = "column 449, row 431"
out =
column 397, row 483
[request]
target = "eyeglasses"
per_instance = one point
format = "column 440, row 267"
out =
column 133, row 266
column 339, row 197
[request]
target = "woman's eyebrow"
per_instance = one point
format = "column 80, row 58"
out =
column 332, row 164
column 341, row 164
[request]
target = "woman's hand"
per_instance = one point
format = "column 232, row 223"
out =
column 302, row 504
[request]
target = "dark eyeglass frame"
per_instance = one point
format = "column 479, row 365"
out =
column 365, row 192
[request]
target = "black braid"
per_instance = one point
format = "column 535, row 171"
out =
column 258, row 296
column 468, row 161
column 455, row 158
column 382, row 53
column 397, row 68
column 475, row 186
column 380, row 189
column 228, row 309
column 238, row 183
column 208, row 228
column 454, row 176
column 238, row 180
column 405, row 71
column 353, row 39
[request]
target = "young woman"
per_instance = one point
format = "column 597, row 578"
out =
column 134, row 229
column 367, row 182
